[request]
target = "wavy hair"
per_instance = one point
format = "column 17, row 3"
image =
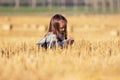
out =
column 55, row 25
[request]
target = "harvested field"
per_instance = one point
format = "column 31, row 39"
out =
column 94, row 55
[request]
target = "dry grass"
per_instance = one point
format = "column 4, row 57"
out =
column 94, row 56
column 85, row 60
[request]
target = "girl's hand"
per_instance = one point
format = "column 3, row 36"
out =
column 70, row 41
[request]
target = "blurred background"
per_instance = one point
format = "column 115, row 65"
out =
column 43, row 6
column 89, row 18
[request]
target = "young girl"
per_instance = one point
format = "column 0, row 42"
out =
column 57, row 34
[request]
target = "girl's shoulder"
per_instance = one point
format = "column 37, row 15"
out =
column 50, row 37
column 49, row 33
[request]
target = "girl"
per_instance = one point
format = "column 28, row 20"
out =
column 57, row 33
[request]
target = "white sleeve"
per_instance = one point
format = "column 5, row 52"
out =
column 42, row 41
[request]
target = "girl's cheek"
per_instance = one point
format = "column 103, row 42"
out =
column 61, row 30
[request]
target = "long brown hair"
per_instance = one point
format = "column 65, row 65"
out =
column 54, row 23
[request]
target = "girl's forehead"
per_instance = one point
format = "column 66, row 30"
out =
column 62, row 22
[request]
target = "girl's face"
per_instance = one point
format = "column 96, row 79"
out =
column 62, row 26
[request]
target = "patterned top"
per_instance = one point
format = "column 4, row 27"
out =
column 50, row 40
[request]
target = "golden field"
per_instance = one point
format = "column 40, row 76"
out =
column 95, row 54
